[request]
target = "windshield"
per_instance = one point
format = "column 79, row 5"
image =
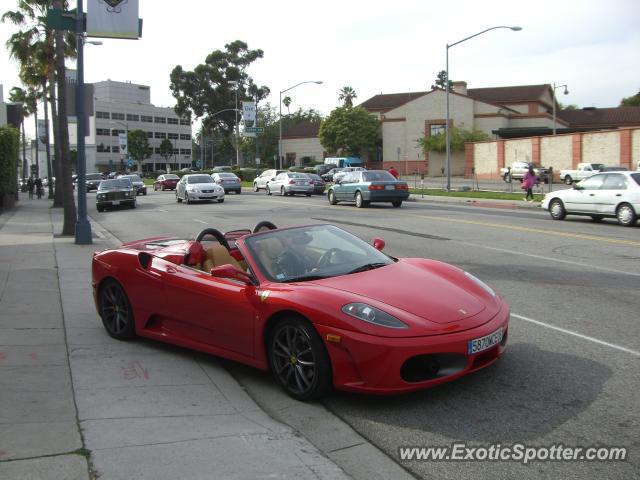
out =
column 171, row 176
column 378, row 175
column 199, row 179
column 116, row 183
column 133, row 178
column 94, row 176
column 227, row 175
column 311, row 253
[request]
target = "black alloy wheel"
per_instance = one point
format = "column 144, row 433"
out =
column 298, row 359
column 116, row 311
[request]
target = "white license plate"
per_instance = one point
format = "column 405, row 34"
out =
column 390, row 187
column 483, row 343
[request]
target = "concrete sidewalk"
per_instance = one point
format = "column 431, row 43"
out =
column 77, row 404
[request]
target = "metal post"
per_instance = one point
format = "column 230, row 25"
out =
column 280, row 137
column 237, row 129
column 553, row 101
column 83, row 227
column 448, row 133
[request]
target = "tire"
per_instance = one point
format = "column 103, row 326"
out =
column 282, row 192
column 221, row 200
column 397, row 203
column 308, row 194
column 144, row 193
column 626, row 215
column 186, row 198
column 238, row 192
column 133, row 205
column 360, row 203
column 178, row 199
column 332, row 198
column 298, row 359
column 100, row 208
column 268, row 190
column 255, row 187
column 568, row 180
column 115, row 310
column 556, row 209
column 597, row 218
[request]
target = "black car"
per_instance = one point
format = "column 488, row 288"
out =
column 328, row 177
column 318, row 183
column 92, row 180
column 324, row 168
column 115, row 192
column 141, row 188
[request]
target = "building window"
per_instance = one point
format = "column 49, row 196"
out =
column 176, row 151
column 115, row 149
column 103, row 131
column 149, row 134
column 117, row 116
column 103, row 148
column 102, row 115
column 185, row 136
column 172, row 136
column 157, row 150
column 146, row 118
column 115, row 132
column 172, row 121
column 185, row 121
column 185, row 151
column 160, row 119
column 160, row 135
column 133, row 118
column 437, row 130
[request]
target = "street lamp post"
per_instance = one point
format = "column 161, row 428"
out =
column 446, row 86
column 553, row 100
column 280, row 105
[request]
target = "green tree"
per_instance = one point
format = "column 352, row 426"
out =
column 347, row 96
column 440, row 81
column 210, row 87
column 438, row 143
column 286, row 101
column 166, row 149
column 348, row 131
column 138, row 145
column 633, row 101
column 9, row 155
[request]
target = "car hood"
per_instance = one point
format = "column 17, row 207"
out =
column 430, row 296
column 203, row 185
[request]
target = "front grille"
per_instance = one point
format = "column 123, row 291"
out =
column 431, row 366
column 115, row 195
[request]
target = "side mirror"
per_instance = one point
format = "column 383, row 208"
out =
column 577, row 187
column 378, row 243
column 229, row 271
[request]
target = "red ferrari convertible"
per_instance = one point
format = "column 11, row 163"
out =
column 316, row 305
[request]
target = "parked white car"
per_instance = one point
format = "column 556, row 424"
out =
column 199, row 186
column 610, row 194
column 584, row 170
column 260, row 182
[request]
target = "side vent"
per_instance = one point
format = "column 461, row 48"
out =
column 145, row 259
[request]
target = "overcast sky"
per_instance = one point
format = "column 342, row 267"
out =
column 380, row 46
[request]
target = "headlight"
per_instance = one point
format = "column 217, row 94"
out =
column 192, row 189
column 480, row 283
column 101, row 196
column 370, row 314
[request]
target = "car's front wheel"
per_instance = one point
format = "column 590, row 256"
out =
column 626, row 215
column 186, row 198
column 568, row 180
column 332, row 198
column 557, row 210
column 116, row 311
column 178, row 199
column 268, row 190
column 298, row 359
column 255, row 187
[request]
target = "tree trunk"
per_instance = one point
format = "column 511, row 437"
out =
column 57, row 164
column 25, row 166
column 47, row 139
column 70, row 215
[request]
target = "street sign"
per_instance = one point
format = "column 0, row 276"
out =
column 254, row 129
column 130, row 163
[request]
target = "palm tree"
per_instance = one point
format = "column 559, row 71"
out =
column 347, row 95
column 29, row 106
column 286, row 101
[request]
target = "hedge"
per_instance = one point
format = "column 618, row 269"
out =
column 9, row 152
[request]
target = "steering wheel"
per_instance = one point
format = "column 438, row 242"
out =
column 327, row 257
column 214, row 233
column 264, row 225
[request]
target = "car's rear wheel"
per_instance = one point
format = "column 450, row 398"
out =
column 360, row 202
column 557, row 210
column 116, row 311
column 282, row 192
column 298, row 359
column 268, row 190
column 397, row 203
column 626, row 215
column 568, row 180
column 332, row 198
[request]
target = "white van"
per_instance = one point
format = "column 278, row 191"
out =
column 342, row 162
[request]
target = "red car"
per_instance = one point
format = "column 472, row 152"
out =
column 166, row 182
column 316, row 305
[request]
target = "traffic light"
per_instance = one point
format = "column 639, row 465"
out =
column 34, row 169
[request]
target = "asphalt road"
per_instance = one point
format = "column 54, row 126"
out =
column 570, row 375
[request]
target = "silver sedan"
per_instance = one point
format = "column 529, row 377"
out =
column 290, row 183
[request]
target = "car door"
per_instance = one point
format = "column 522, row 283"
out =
column 583, row 198
column 180, row 188
column 612, row 192
column 265, row 177
column 208, row 310
column 344, row 187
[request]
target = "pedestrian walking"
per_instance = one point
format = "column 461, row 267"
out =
column 39, row 188
column 528, row 181
column 30, row 186
column 394, row 172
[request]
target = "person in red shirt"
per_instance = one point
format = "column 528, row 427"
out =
column 394, row 172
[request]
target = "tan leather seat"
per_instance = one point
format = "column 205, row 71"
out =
column 219, row 255
column 269, row 249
